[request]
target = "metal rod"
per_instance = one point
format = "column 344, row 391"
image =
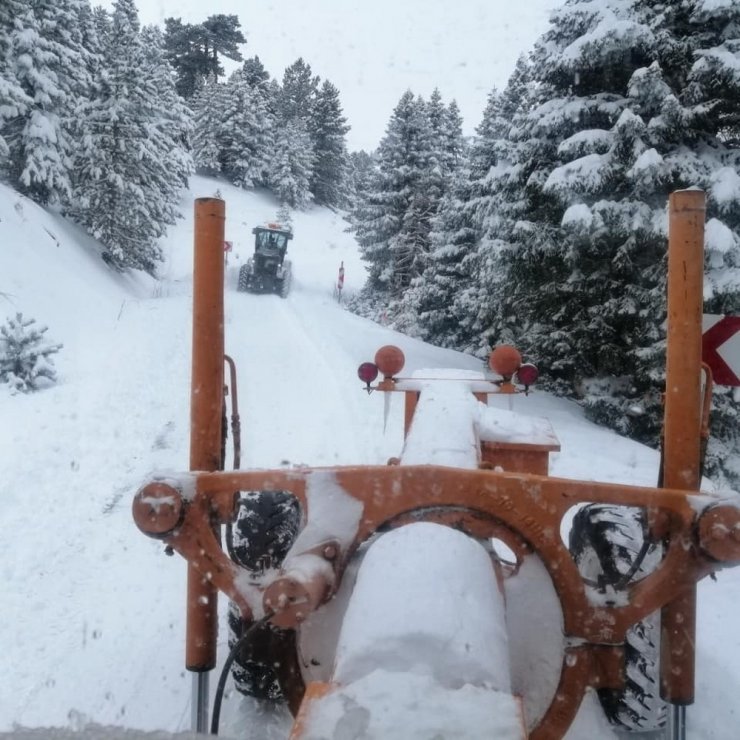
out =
column 206, row 403
column 199, row 703
column 678, row 722
column 683, row 426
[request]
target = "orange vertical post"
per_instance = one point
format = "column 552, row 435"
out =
column 683, row 406
column 206, row 403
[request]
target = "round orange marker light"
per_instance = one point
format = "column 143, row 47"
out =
column 390, row 360
column 505, row 360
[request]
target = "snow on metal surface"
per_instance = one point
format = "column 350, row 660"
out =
column 426, row 601
column 443, row 429
column 501, row 425
column 332, row 514
column 534, row 621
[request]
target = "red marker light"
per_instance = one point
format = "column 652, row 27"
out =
column 367, row 372
column 527, row 374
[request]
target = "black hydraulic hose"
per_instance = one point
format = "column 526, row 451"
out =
column 218, row 698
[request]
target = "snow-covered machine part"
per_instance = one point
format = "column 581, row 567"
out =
column 350, row 511
column 443, row 429
column 396, row 620
column 408, row 658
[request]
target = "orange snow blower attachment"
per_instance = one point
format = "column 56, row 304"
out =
column 344, row 509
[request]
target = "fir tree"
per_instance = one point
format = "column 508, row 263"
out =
column 244, row 133
column 298, row 92
column 193, row 49
column 292, row 165
column 393, row 222
column 362, row 167
column 209, row 107
column 131, row 163
column 619, row 120
column 14, row 101
column 25, row 355
column 254, row 73
column 328, row 130
column 47, row 61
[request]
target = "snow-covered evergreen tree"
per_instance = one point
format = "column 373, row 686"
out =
column 254, row 73
column 14, row 101
column 47, row 61
column 298, row 92
column 131, row 165
column 25, row 355
column 292, row 164
column 362, row 168
column 328, row 130
column 209, row 107
column 635, row 100
column 245, row 132
column 392, row 223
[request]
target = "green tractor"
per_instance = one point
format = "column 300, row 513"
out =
column 267, row 270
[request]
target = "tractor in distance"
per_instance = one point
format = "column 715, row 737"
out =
column 267, row 270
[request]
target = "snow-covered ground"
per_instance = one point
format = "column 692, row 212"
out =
column 93, row 612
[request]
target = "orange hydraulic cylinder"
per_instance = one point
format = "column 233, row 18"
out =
column 683, row 419
column 206, row 404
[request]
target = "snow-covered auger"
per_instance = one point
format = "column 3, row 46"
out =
column 473, row 601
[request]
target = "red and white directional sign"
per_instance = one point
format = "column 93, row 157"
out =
column 721, row 347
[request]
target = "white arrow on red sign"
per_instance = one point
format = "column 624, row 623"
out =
column 720, row 347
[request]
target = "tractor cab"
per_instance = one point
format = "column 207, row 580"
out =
column 271, row 241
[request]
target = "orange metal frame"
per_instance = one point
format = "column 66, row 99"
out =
column 700, row 533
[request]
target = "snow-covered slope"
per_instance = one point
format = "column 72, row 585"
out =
column 93, row 612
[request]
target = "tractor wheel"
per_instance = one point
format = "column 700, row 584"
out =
column 605, row 541
column 243, row 284
column 266, row 525
column 285, row 282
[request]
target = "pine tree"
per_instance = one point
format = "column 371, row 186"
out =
column 292, row 165
column 131, row 164
column 193, row 49
column 392, row 223
column 255, row 73
column 362, row 168
column 14, row 101
column 328, row 130
column 298, row 92
column 244, row 133
column 25, row 355
column 47, row 61
column 209, row 107
column 619, row 119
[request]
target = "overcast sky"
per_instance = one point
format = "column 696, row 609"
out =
column 373, row 50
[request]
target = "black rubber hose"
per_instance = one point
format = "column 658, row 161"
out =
column 218, row 698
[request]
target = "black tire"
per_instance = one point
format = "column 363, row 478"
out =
column 266, row 667
column 265, row 528
column 286, row 280
column 605, row 541
column 244, row 274
column 266, row 525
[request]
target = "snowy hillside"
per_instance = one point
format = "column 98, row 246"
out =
column 93, row 611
